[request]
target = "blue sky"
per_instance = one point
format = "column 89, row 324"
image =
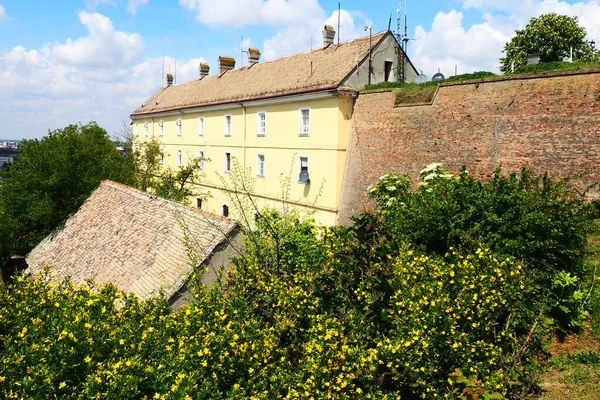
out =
column 80, row 60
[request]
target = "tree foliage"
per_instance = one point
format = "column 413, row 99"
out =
column 552, row 36
column 172, row 184
column 51, row 178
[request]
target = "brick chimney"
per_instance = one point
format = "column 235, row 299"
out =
column 204, row 70
column 169, row 80
column 253, row 56
column 226, row 63
column 328, row 35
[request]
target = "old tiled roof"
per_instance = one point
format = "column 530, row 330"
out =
column 132, row 239
column 283, row 76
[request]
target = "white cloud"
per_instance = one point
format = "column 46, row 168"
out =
column 134, row 5
column 296, row 38
column 3, row 15
column 450, row 43
column 239, row 13
column 47, row 88
column 102, row 47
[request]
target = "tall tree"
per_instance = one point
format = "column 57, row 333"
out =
column 51, row 179
column 552, row 36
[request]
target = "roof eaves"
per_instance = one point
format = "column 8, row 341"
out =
column 237, row 101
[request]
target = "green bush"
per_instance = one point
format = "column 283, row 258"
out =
column 337, row 313
column 533, row 218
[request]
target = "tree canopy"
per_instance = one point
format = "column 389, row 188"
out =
column 552, row 36
column 51, row 178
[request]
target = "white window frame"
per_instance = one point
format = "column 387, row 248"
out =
column 200, row 126
column 201, row 160
column 228, row 128
column 179, row 124
column 300, row 164
column 260, row 132
column 264, row 165
column 227, row 165
column 146, row 128
column 179, row 157
column 301, row 131
column 137, row 129
column 161, row 125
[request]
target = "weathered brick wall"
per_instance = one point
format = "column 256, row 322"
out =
column 549, row 123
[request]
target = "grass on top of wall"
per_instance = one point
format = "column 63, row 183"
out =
column 554, row 66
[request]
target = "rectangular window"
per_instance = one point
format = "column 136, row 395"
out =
column 161, row 126
column 199, row 203
column 136, row 129
column 162, row 156
column 201, row 126
column 260, row 165
column 179, row 158
column 261, row 124
column 179, row 124
column 201, row 160
column 146, row 128
column 228, row 125
column 227, row 162
column 387, row 69
column 304, row 122
column 303, row 166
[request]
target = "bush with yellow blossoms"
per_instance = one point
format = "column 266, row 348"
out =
column 344, row 313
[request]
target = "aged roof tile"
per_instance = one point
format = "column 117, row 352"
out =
column 131, row 239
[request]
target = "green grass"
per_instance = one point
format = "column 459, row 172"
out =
column 554, row 66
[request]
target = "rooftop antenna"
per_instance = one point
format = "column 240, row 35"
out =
column 175, row 73
column 242, row 51
column 162, row 76
column 310, row 56
column 402, row 34
column 339, row 22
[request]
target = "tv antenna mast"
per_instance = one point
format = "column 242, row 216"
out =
column 402, row 25
column 402, row 37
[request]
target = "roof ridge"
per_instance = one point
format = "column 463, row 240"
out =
column 322, row 48
column 118, row 185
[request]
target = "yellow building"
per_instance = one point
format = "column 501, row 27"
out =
column 288, row 117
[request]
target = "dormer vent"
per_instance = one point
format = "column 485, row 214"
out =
column 226, row 63
column 328, row 35
column 204, row 70
column 253, row 56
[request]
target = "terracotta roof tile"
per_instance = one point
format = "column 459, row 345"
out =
column 131, row 239
column 282, row 76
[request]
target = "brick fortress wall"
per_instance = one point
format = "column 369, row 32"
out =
column 549, row 122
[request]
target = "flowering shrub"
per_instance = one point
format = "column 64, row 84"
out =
column 363, row 324
column 532, row 218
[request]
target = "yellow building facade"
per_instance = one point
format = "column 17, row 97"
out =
column 276, row 120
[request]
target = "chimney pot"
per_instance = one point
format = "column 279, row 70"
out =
column 253, row 56
column 226, row 63
column 169, row 79
column 204, row 70
column 328, row 35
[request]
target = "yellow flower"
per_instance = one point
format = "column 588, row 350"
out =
column 62, row 385
column 87, row 359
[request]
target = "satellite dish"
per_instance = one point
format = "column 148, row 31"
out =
column 438, row 77
column 421, row 78
column 304, row 177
